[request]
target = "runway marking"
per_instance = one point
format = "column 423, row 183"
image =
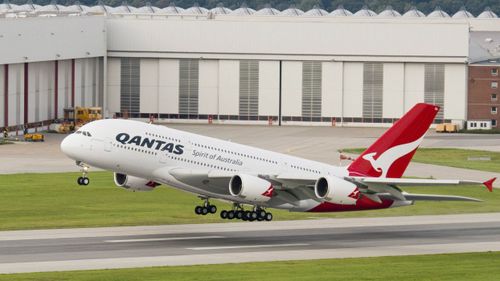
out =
column 247, row 246
column 163, row 239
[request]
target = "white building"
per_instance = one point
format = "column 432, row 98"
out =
column 237, row 66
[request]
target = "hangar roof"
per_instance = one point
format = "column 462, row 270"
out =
column 267, row 11
column 315, row 12
column 33, row 10
column 340, row 12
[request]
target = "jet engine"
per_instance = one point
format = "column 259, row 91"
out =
column 251, row 188
column 134, row 183
column 336, row 190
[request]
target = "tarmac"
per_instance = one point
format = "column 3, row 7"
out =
column 171, row 245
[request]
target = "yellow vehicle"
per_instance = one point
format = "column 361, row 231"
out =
column 82, row 115
column 34, row 137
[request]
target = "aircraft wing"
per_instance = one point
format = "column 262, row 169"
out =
column 217, row 182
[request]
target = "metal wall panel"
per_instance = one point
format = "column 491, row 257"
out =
column 373, row 81
column 414, row 85
column 353, row 89
column 16, row 94
column 113, row 85
column 149, row 86
column 168, row 79
column 2, row 95
column 228, row 87
column 394, row 92
column 269, row 83
column 434, row 86
column 311, row 89
column 249, row 88
column 129, row 85
column 188, row 86
column 291, row 99
column 455, row 91
column 331, row 91
column 209, row 87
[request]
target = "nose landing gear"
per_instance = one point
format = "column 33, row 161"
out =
column 83, row 180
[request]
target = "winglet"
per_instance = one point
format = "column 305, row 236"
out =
column 489, row 184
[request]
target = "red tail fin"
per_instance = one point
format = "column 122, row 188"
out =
column 392, row 152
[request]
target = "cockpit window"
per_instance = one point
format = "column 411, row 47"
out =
column 85, row 133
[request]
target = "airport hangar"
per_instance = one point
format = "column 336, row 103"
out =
column 242, row 66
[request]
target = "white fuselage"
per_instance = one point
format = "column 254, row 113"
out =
column 150, row 151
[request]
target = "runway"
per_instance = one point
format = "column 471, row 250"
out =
column 144, row 246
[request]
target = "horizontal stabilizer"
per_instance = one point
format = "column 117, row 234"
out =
column 489, row 184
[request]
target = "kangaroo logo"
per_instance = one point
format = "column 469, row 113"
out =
column 384, row 161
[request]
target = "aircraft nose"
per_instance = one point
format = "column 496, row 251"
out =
column 67, row 146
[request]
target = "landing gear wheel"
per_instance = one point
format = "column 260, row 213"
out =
column 247, row 214
column 198, row 210
column 230, row 215
column 261, row 213
column 85, row 181
column 204, row 211
column 269, row 217
column 212, row 209
column 239, row 214
column 223, row 214
column 253, row 215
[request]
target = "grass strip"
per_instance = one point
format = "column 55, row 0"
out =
column 452, row 267
column 38, row 201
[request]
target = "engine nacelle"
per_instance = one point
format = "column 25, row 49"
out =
column 134, row 183
column 336, row 190
column 251, row 188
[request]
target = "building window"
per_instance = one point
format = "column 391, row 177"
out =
column 493, row 122
column 249, row 88
column 129, row 85
column 434, row 86
column 494, row 97
column 494, row 85
column 493, row 110
column 188, row 86
column 373, row 80
column 494, row 71
column 311, row 89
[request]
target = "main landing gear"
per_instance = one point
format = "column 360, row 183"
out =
column 207, row 208
column 258, row 214
column 83, row 180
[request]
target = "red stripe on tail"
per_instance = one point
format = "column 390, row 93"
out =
column 390, row 155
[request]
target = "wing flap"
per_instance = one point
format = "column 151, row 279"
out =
column 431, row 197
column 415, row 182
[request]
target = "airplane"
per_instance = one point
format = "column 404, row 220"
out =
column 144, row 156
